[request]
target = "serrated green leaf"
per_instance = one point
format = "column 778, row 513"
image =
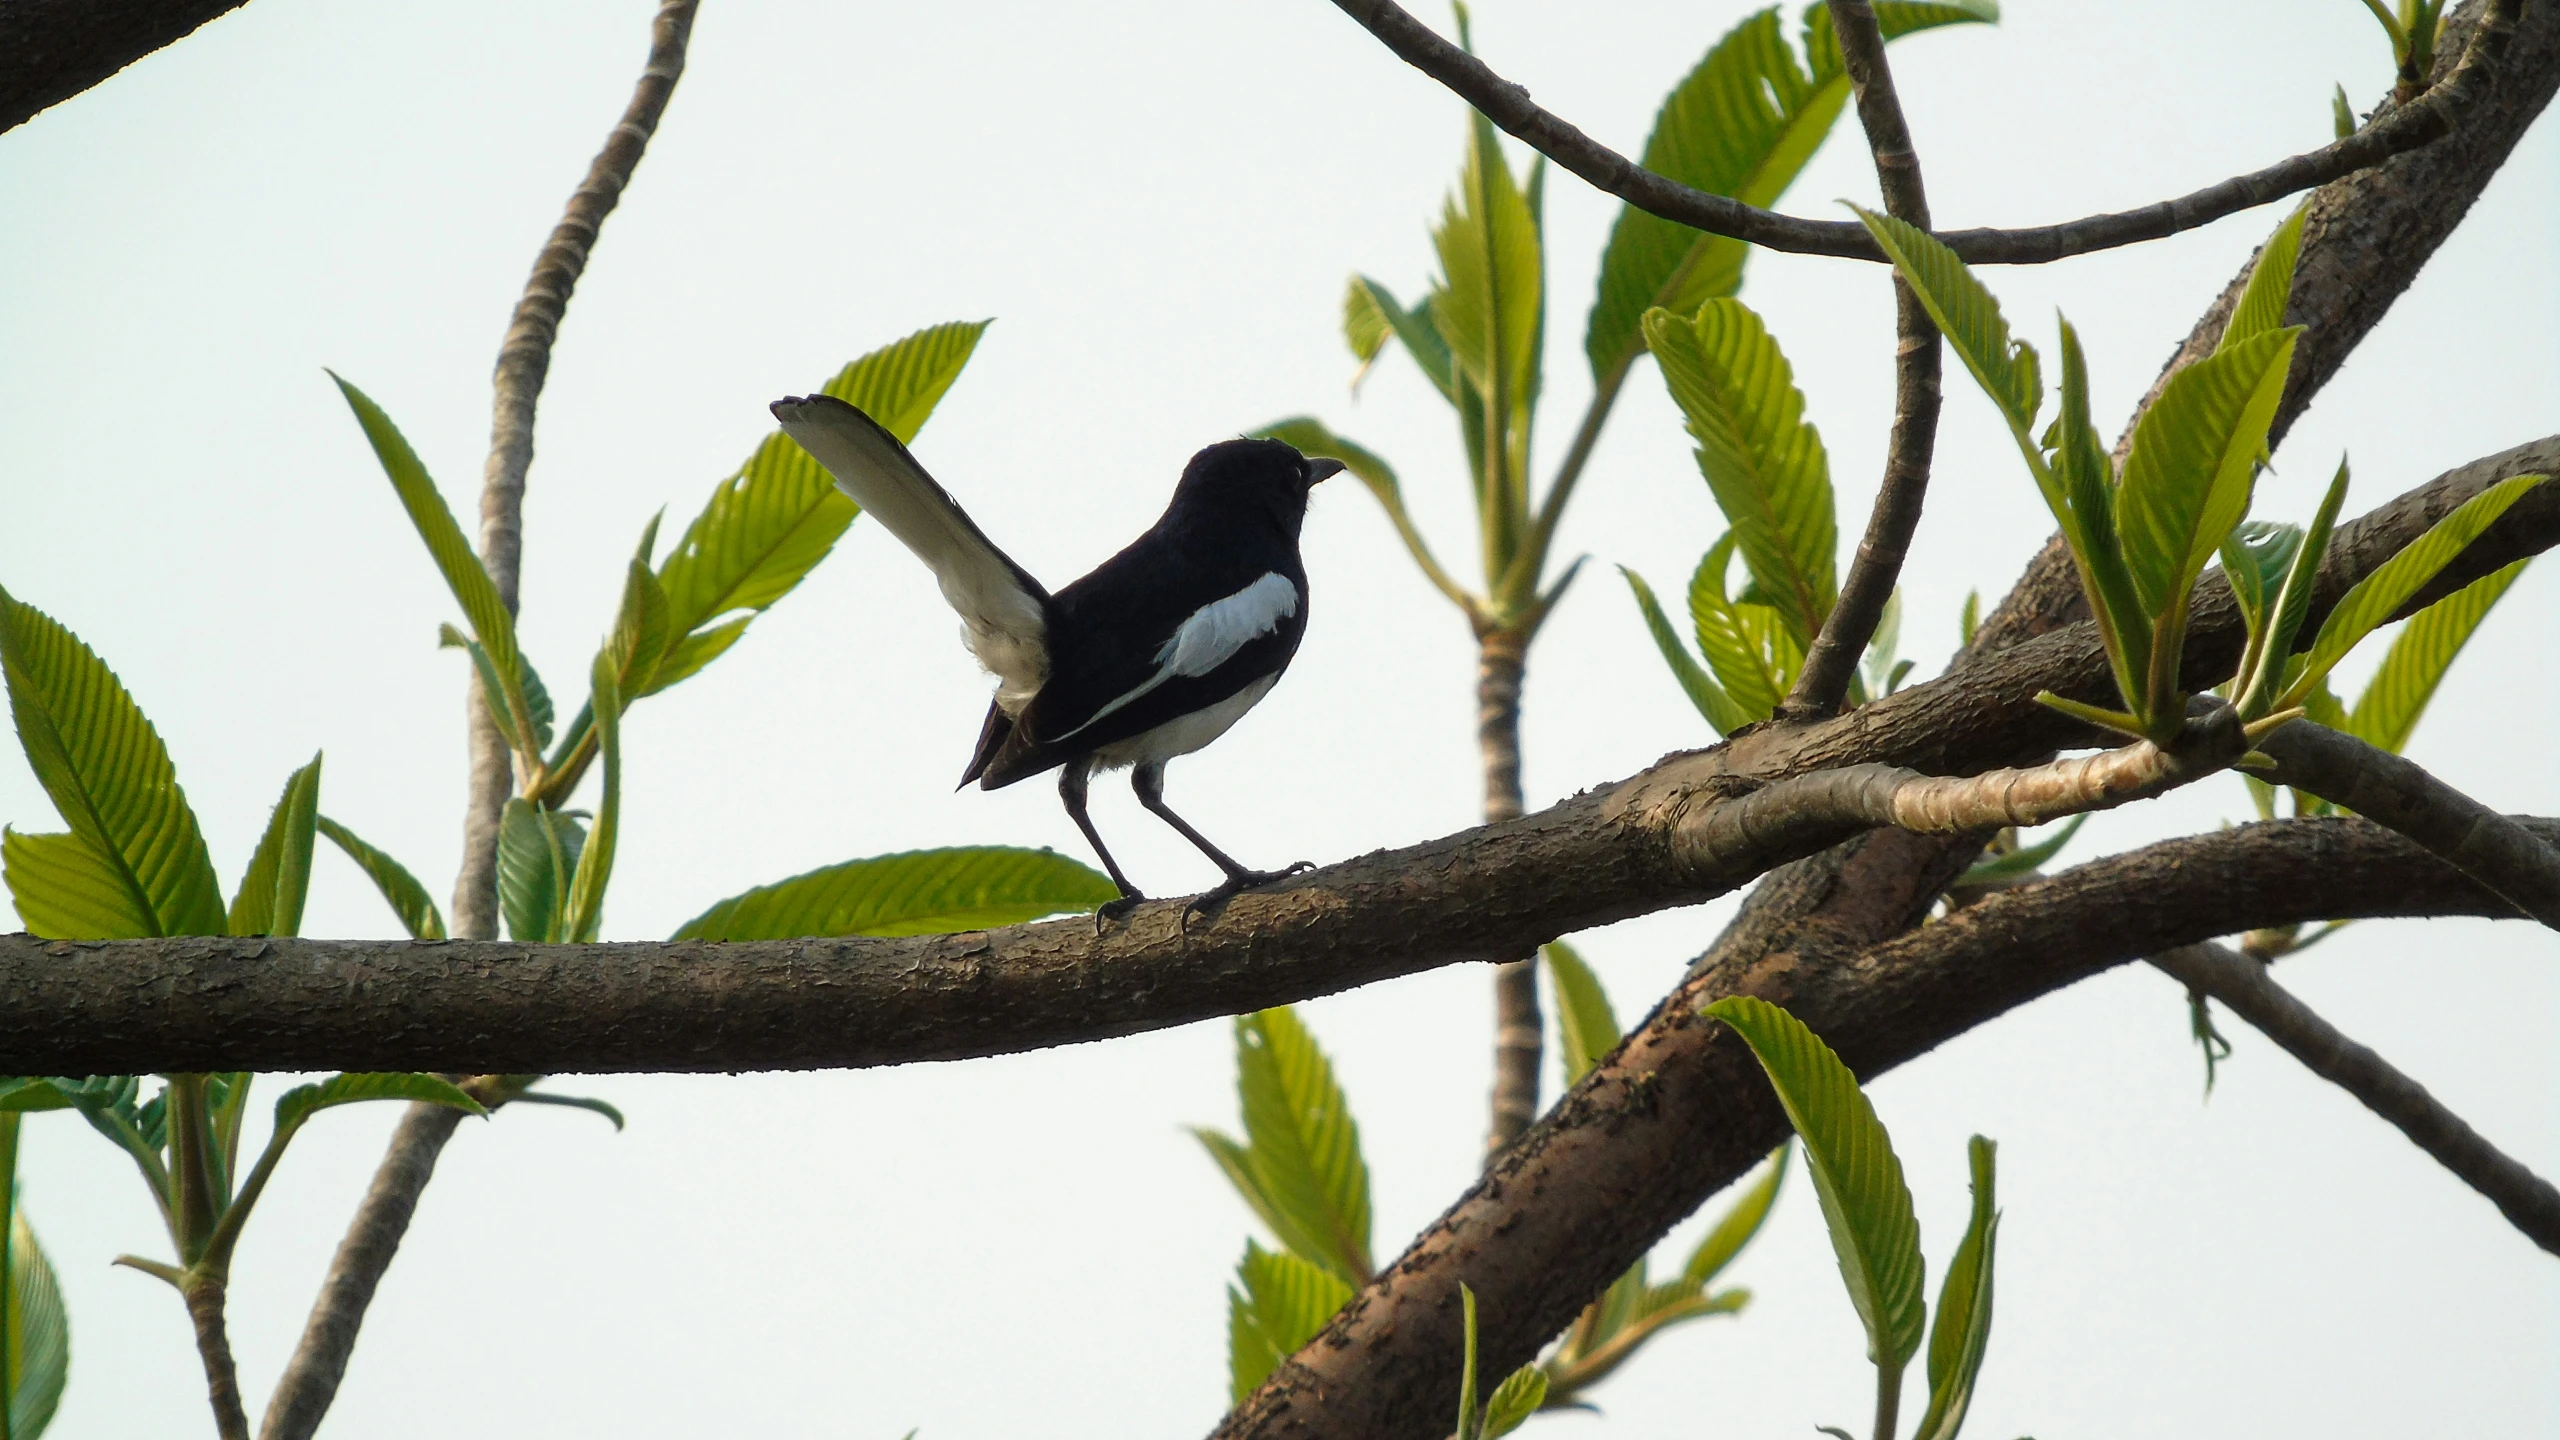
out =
column 538, row 852
column 1962, row 1333
column 769, row 524
column 2255, row 557
column 1365, row 326
column 39, row 1334
column 2416, row 663
column 1278, row 1303
column 1740, row 661
column 408, row 899
column 539, row 713
column 2388, row 587
column 144, row 871
column 279, row 873
column 920, row 892
column 582, row 912
column 2269, row 656
column 1764, row 463
column 2006, row 369
column 1721, row 711
column 302, row 1102
column 1586, row 1029
column 1302, row 1143
column 1865, row 1203
column 1514, row 1401
column 1725, row 1239
column 492, row 624
column 696, row 650
column 1419, row 332
column 2187, row 474
column 1487, row 303
column 2270, row 289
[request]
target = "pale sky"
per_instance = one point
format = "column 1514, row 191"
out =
column 1160, row 203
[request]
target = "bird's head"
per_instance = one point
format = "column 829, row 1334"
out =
column 1253, row 476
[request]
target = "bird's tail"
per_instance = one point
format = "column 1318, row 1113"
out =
column 1004, row 610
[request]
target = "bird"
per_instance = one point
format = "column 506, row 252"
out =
column 1152, row 656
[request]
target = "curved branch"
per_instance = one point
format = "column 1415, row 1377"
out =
column 2431, row 117
column 1832, row 658
column 1680, row 1109
column 2526, row 1199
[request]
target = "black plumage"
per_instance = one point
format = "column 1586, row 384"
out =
column 1151, row 656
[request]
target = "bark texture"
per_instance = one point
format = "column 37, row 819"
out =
column 51, row 50
column 1519, row 1031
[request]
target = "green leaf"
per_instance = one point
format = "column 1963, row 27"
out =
column 1365, row 326
column 1969, row 619
column 2389, row 586
column 2083, row 497
column 1742, row 123
column 537, row 698
column 1738, row 1225
column 1300, row 1166
column 1962, row 1332
column 2262, row 303
column 2005, row 368
column 1856, row 1176
column 279, row 874
column 145, row 871
column 27, row 1094
column 1722, row 712
column 1738, row 657
column 2026, row 859
column 400, row 889
column 2270, row 650
column 1764, row 463
column 1879, row 667
column 39, row 1334
column 571, row 1102
column 1489, row 306
column 583, row 913
column 768, row 525
column 2187, row 474
column 2416, row 663
column 1586, row 1030
column 642, row 632
column 1417, row 329
column 538, row 851
column 2342, row 116
column 2255, row 557
column 1278, row 1303
column 1468, row 1428
column 921, row 892
column 492, row 624
column 1514, row 1401
column 302, row 1102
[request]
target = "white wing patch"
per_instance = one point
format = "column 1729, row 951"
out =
column 1212, row 636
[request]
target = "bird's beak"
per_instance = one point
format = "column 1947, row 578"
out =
column 1321, row 470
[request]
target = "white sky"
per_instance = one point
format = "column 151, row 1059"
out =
column 1160, row 203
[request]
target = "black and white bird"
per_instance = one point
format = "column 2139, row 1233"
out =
column 1153, row 655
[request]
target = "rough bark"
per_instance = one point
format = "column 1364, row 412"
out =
column 1681, row 1108
column 51, row 50
column 1519, row 1031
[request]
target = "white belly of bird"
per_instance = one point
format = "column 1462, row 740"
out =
column 1184, row 734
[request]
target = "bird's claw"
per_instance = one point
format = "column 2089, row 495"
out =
column 1115, row 911
column 1209, row 900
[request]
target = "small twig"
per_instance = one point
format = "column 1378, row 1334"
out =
column 524, row 361
column 2391, row 790
column 1832, row 659
column 2528, row 1201
column 204, row 1295
column 2429, row 118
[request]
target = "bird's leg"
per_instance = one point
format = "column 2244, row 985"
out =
column 1071, row 788
column 1148, row 781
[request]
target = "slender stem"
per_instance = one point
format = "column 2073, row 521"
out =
column 2430, row 117
column 204, row 1294
column 2528, row 1201
column 1586, row 437
column 1832, row 660
column 524, row 361
column 192, row 1213
column 1888, row 1398
column 1518, row 1029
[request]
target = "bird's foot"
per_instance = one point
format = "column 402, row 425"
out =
column 1115, row 911
column 1208, row 901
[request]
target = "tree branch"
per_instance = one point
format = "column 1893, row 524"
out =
column 2527, row 1200
column 2392, row 790
column 2431, row 117
column 1680, row 1109
column 1833, row 657
column 51, row 50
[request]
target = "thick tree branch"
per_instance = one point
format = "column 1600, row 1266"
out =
column 2431, row 117
column 1681, row 1109
column 1833, row 657
column 51, row 50
column 2392, row 790
column 2527, row 1200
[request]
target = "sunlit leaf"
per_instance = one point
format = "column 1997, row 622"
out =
column 921, row 892
column 1725, row 1239
column 400, row 889
column 304, row 1101
column 2083, row 496
column 1303, row 1144
column 279, row 874
column 538, row 851
column 1278, row 1303
column 1742, row 664
column 144, row 871
column 1971, row 320
column 1586, row 1029
column 1514, row 1401
column 2187, row 474
column 2262, row 302
column 1865, row 1203
column 2416, row 663
column 1722, row 712
column 39, row 1336
column 582, row 911
column 2026, row 859
column 1962, row 1332
column 1365, row 326
column 1417, row 329
column 2270, row 651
